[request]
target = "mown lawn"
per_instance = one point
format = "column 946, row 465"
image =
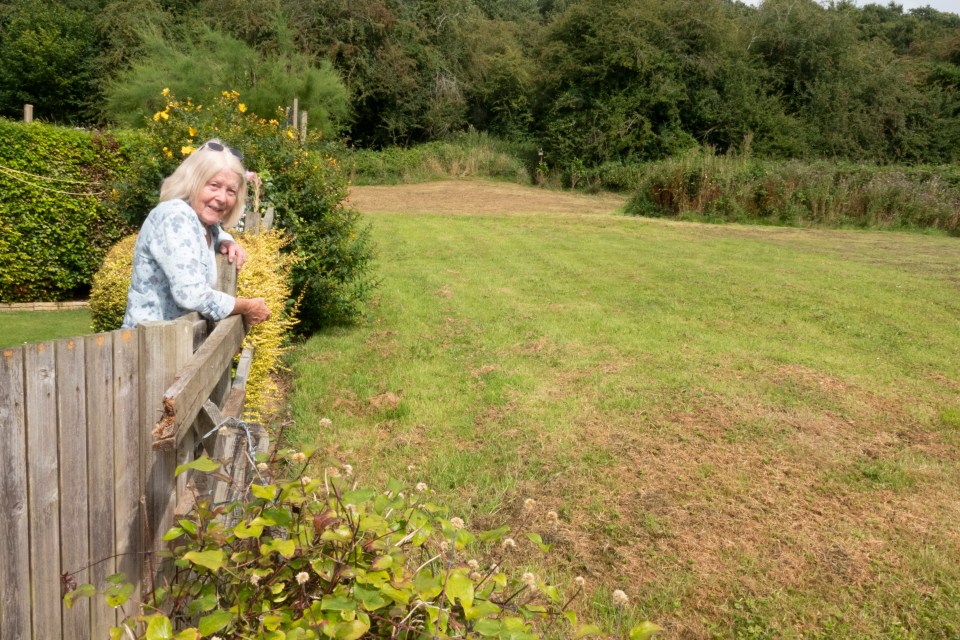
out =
column 17, row 327
column 753, row 431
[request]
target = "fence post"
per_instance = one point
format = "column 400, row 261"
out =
column 164, row 349
column 28, row 113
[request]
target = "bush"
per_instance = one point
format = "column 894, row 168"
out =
column 108, row 295
column 55, row 222
column 310, row 558
column 303, row 181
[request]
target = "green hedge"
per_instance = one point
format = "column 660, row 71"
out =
column 55, row 225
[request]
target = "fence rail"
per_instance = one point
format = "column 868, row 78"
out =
column 84, row 490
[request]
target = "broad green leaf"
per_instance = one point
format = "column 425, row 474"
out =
column 428, row 587
column 481, row 609
column 398, row 595
column 487, row 627
column 207, row 602
column 272, row 622
column 83, row 591
column 117, row 578
column 159, row 628
column 537, row 540
column 645, row 630
column 494, row 534
column 188, row 526
column 203, row 463
column 243, row 531
column 358, row 496
column 214, row 622
column 571, row 616
column 264, row 492
column 552, row 593
column 338, row 603
column 285, row 548
column 372, row 599
column 460, row 587
column 188, row 634
column 117, row 633
column 118, row 594
column 588, row 630
column 279, row 517
column 173, row 533
column 350, row 630
column 382, row 563
column 212, row 560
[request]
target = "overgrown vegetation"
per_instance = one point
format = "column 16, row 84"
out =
column 753, row 431
column 55, row 227
column 306, row 558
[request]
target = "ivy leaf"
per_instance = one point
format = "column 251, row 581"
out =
column 243, row 531
column 338, row 603
column 264, row 492
column 537, row 540
column 645, row 630
column 212, row 560
column 206, row 602
column 83, row 591
column 382, row 563
column 428, row 587
column 118, row 594
column 398, row 595
column 351, row 630
column 173, row 533
column 214, row 622
column 552, row 593
column 571, row 616
column 482, row 609
column 371, row 599
column 159, row 628
column 188, row 634
column 203, row 463
column 487, row 627
column 460, row 587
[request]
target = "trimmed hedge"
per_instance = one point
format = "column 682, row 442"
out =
column 55, row 224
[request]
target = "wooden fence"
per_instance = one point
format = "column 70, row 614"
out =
column 85, row 490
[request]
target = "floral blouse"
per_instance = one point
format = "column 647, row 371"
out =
column 174, row 271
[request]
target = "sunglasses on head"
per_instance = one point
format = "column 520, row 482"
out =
column 216, row 146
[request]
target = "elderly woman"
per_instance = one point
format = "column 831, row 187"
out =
column 174, row 266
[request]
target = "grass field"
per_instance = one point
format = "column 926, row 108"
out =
column 753, row 431
column 17, row 327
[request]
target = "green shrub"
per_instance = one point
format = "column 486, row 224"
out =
column 108, row 294
column 55, row 222
column 311, row 558
column 303, row 181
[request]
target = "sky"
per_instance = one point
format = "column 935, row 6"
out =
column 951, row 6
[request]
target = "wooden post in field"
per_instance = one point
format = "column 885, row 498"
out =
column 303, row 127
column 296, row 106
column 28, row 113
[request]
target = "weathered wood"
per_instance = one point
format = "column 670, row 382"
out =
column 164, row 348
column 238, row 392
column 127, row 439
column 251, row 223
column 99, row 364
column 43, row 488
column 232, row 449
column 195, row 381
column 15, row 541
column 267, row 223
column 72, row 427
column 28, row 113
column 226, row 275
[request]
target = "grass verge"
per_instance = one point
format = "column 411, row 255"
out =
column 751, row 430
column 36, row 326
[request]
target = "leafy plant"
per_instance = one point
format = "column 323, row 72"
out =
column 308, row 558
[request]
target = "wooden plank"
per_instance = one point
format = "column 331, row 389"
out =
column 74, row 523
column 233, row 406
column 184, row 398
column 14, row 542
column 164, row 348
column 43, row 488
column 99, row 364
column 267, row 221
column 226, row 275
column 127, row 439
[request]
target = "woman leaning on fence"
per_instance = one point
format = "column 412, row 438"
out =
column 174, row 265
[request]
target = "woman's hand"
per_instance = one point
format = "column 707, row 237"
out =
column 235, row 253
column 253, row 310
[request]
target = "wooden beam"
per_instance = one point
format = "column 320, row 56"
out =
column 184, row 398
column 238, row 392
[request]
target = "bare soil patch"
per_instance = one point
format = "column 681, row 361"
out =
column 478, row 197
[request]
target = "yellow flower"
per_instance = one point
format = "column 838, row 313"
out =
column 235, row 93
column 290, row 134
column 242, row 107
column 199, row 107
column 167, row 152
column 164, row 115
column 192, row 131
column 186, row 150
column 225, row 94
column 274, row 122
column 165, row 92
column 156, row 116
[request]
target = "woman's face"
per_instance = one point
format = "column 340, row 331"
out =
column 217, row 197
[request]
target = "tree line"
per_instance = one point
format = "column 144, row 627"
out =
column 591, row 82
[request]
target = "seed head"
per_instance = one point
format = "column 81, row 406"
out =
column 302, row 577
column 473, row 564
column 508, row 543
column 421, row 487
column 325, row 422
column 299, row 457
column 456, row 523
column 552, row 516
column 620, row 598
column 254, row 579
column 263, row 467
column 476, row 576
column 347, row 469
column 529, row 504
column 305, row 480
column 580, row 581
column 530, row 580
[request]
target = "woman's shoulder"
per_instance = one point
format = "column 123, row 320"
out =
column 172, row 212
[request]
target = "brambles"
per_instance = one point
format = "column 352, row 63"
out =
column 324, row 557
